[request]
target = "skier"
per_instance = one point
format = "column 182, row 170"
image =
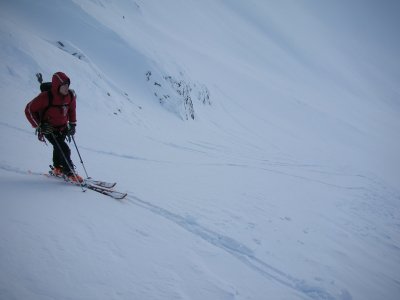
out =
column 53, row 115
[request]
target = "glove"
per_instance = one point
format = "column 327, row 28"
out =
column 44, row 128
column 71, row 129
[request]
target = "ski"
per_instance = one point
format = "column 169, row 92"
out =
column 111, row 193
column 102, row 187
column 104, row 184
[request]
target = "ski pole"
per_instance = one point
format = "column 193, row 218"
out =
column 67, row 162
column 80, row 157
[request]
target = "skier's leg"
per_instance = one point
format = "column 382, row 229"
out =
column 60, row 149
column 57, row 156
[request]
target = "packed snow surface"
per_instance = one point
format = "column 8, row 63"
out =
column 258, row 142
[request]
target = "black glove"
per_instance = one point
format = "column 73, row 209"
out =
column 71, row 129
column 45, row 128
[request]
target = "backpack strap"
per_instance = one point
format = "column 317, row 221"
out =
column 50, row 103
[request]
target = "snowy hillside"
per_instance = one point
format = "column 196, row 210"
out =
column 258, row 142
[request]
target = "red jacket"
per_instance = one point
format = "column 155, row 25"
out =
column 62, row 111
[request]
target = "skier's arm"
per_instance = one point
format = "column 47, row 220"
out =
column 33, row 109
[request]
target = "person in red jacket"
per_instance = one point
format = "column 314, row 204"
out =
column 53, row 115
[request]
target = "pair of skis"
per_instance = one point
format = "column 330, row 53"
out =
column 102, row 187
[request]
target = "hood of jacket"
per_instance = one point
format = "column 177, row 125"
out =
column 59, row 78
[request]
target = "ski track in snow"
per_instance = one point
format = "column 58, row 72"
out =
column 239, row 251
column 273, row 167
column 125, row 156
column 260, row 166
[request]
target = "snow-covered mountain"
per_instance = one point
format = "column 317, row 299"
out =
column 257, row 141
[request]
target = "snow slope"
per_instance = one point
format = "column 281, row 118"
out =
column 283, row 185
